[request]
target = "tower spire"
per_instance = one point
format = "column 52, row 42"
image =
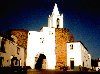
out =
column 55, row 20
column 55, row 10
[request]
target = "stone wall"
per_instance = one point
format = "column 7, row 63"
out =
column 22, row 37
column 11, row 50
column 61, row 38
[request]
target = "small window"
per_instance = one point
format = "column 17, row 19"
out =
column 29, row 33
column 71, row 46
column 41, row 40
column 71, row 58
column 7, row 60
column 50, row 33
column 16, row 62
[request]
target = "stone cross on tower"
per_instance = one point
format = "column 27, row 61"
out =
column 55, row 20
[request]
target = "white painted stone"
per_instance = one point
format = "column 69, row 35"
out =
column 79, row 53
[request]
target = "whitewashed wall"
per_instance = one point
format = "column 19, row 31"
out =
column 49, row 45
column 35, row 46
column 74, row 53
column 79, row 53
column 86, row 57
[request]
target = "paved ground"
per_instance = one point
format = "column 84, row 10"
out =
column 33, row 71
column 57, row 72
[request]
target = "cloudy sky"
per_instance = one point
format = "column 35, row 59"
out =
column 82, row 17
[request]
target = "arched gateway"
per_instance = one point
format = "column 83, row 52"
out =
column 40, row 62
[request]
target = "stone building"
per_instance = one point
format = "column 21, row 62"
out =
column 22, row 37
column 10, row 53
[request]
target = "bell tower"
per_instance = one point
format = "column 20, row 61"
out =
column 55, row 20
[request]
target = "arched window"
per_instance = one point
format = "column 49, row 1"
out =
column 58, row 22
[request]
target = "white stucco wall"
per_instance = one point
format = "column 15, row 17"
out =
column 99, row 64
column 86, row 57
column 49, row 45
column 74, row 53
column 35, row 46
column 79, row 53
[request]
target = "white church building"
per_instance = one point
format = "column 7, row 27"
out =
column 45, row 42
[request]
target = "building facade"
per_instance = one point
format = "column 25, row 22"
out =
column 98, row 67
column 51, row 47
column 50, row 41
column 12, row 54
column 78, row 55
column 22, row 37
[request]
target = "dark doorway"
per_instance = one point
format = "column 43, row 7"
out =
column 15, row 62
column 2, row 49
column 83, row 64
column 1, row 59
column 72, row 64
column 39, row 62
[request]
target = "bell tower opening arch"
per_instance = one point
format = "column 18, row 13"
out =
column 56, row 19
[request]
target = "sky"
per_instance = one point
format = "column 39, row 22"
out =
column 81, row 17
